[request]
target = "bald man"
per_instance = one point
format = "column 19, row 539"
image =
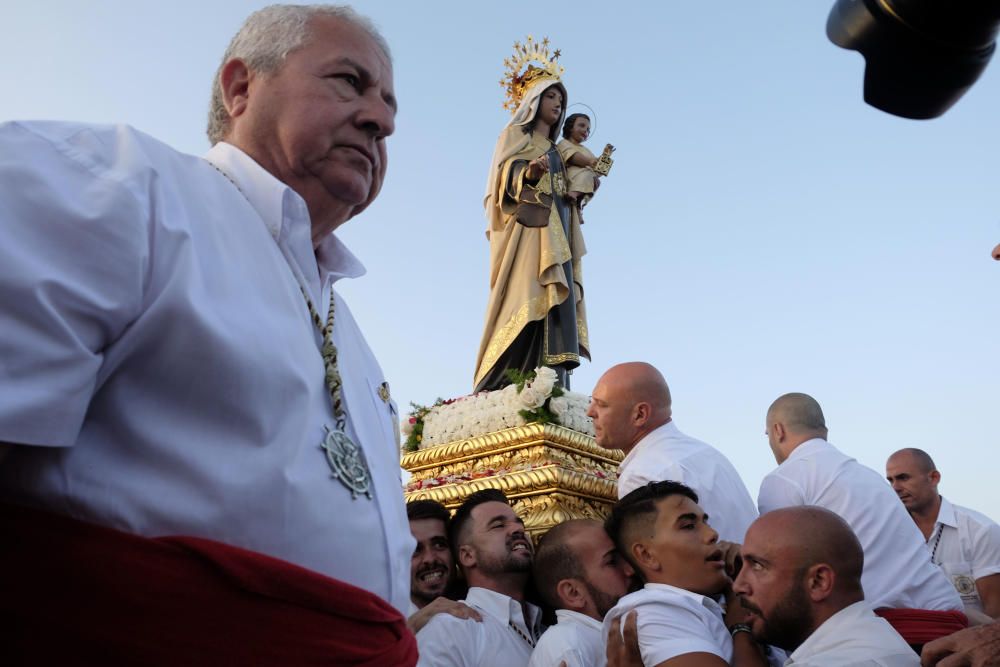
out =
column 899, row 578
column 631, row 410
column 801, row 583
column 964, row 543
column 579, row 573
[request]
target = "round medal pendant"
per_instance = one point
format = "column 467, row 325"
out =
column 346, row 462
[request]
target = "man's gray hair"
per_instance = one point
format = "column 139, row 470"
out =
column 265, row 40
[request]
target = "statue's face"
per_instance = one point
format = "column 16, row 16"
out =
column 580, row 130
column 550, row 106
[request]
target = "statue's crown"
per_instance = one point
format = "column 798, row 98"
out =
column 520, row 74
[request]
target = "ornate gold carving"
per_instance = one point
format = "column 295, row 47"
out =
column 551, row 472
column 515, row 81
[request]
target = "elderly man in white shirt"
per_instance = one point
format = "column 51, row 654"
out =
column 631, row 410
column 898, row 573
column 579, row 573
column 963, row 542
column 495, row 555
column 801, row 582
column 175, row 359
column 661, row 530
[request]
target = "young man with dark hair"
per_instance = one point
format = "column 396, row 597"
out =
column 495, row 554
column 663, row 533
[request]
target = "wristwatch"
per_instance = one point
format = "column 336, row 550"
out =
column 736, row 628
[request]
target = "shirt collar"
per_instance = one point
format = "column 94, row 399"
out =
column 827, row 635
column 664, row 430
column 276, row 204
column 568, row 616
column 946, row 514
column 704, row 601
column 502, row 607
column 808, row 447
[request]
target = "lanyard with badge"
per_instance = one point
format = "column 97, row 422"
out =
column 346, row 460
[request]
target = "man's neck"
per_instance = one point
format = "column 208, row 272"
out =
column 511, row 585
column 646, row 430
column 927, row 516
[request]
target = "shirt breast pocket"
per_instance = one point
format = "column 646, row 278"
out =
column 960, row 575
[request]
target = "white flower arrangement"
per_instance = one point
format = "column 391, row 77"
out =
column 535, row 398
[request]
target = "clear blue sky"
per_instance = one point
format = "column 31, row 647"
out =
column 762, row 231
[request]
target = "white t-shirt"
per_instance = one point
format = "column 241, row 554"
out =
column 672, row 621
column 898, row 571
column 158, row 353
column 666, row 453
column 504, row 638
column 575, row 639
column 854, row 637
column 966, row 545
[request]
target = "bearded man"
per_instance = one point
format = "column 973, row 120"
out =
column 495, row 556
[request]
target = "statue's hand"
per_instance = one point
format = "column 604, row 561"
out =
column 537, row 167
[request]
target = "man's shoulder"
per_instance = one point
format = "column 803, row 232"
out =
column 971, row 516
column 658, row 597
column 100, row 148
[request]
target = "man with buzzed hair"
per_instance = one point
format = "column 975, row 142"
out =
column 661, row 530
column 801, row 582
column 899, row 580
column 963, row 542
column 580, row 574
column 631, row 409
column 495, row 555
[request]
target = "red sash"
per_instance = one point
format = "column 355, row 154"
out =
column 919, row 626
column 75, row 593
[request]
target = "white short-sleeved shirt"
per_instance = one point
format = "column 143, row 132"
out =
column 672, row 621
column 854, row 637
column 575, row 639
column 666, row 453
column 898, row 571
column 966, row 545
column 159, row 359
column 448, row 641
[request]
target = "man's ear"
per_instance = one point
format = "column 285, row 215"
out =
column 641, row 413
column 819, row 581
column 645, row 558
column 779, row 431
column 234, row 78
column 935, row 476
column 466, row 556
column 572, row 594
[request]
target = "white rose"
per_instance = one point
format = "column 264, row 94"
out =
column 531, row 398
column 545, row 379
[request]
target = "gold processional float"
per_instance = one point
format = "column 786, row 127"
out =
column 531, row 439
column 552, row 473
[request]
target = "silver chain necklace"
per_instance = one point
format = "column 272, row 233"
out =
column 345, row 458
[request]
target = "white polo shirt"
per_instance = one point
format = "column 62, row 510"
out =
column 504, row 638
column 159, row 360
column 966, row 546
column 898, row 571
column 666, row 453
column 672, row 621
column 575, row 640
column 854, row 636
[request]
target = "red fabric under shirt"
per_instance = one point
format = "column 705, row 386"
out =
column 919, row 626
column 75, row 593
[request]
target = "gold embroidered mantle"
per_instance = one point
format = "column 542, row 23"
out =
column 551, row 473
